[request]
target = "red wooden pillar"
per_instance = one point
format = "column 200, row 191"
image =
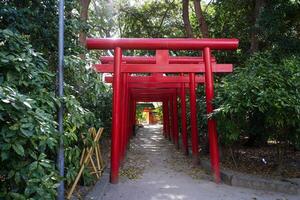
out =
column 183, row 120
column 129, row 115
column 116, row 117
column 175, row 119
column 123, row 115
column 167, row 119
column 194, row 128
column 126, row 110
column 212, row 132
column 171, row 119
column 134, row 117
column 164, row 119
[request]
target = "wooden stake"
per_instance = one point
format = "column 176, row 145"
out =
column 85, row 162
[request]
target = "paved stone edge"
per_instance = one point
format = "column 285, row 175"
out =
column 254, row 182
column 99, row 188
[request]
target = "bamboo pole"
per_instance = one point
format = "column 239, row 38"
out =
column 89, row 153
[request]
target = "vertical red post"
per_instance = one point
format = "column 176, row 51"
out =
column 123, row 115
column 212, row 132
column 175, row 119
column 167, row 119
column 194, row 128
column 183, row 120
column 126, row 107
column 134, row 117
column 116, row 118
column 164, row 118
column 130, row 112
column 171, row 119
column 129, row 115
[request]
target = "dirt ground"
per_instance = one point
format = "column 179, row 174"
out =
column 155, row 170
column 262, row 161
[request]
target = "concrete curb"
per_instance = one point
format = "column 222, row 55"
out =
column 98, row 190
column 289, row 186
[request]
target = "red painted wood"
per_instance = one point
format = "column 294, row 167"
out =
column 211, row 123
column 171, row 119
column 160, row 88
column 122, row 114
column 164, row 79
column 152, row 60
column 161, row 43
column 116, row 120
column 164, row 68
column 194, row 129
column 164, row 119
column 183, row 120
column 175, row 121
column 158, row 85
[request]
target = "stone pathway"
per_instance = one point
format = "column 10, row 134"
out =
column 155, row 170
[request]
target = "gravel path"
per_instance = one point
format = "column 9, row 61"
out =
column 155, row 170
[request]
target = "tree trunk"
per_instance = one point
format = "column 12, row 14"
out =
column 258, row 8
column 186, row 19
column 201, row 19
column 83, row 17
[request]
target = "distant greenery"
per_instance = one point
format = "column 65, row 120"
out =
column 259, row 101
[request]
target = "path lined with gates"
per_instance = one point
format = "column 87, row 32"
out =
column 164, row 173
column 131, row 87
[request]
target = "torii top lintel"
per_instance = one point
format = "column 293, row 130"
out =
column 161, row 43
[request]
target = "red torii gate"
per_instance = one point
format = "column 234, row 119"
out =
column 127, row 88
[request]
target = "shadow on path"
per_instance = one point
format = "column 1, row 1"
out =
column 155, row 170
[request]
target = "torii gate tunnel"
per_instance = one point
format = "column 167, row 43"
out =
column 130, row 88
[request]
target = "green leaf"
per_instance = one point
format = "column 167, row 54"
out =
column 27, row 104
column 4, row 155
column 18, row 149
column 11, row 173
column 26, row 132
column 17, row 196
column 45, row 163
column 33, row 166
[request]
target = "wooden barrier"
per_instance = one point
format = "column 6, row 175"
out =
column 87, row 157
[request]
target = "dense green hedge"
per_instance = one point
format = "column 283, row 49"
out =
column 261, row 101
column 28, row 130
column 28, row 136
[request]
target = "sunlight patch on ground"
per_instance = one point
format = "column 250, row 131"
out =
column 168, row 196
column 169, row 186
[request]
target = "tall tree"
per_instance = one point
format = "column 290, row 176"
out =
column 186, row 19
column 201, row 20
column 83, row 17
column 258, row 8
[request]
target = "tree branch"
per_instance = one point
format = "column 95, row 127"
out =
column 186, row 19
column 201, row 19
column 259, row 5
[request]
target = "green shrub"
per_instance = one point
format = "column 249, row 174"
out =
column 28, row 131
column 28, row 135
column 261, row 101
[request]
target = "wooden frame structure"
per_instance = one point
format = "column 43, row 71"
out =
column 129, row 88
